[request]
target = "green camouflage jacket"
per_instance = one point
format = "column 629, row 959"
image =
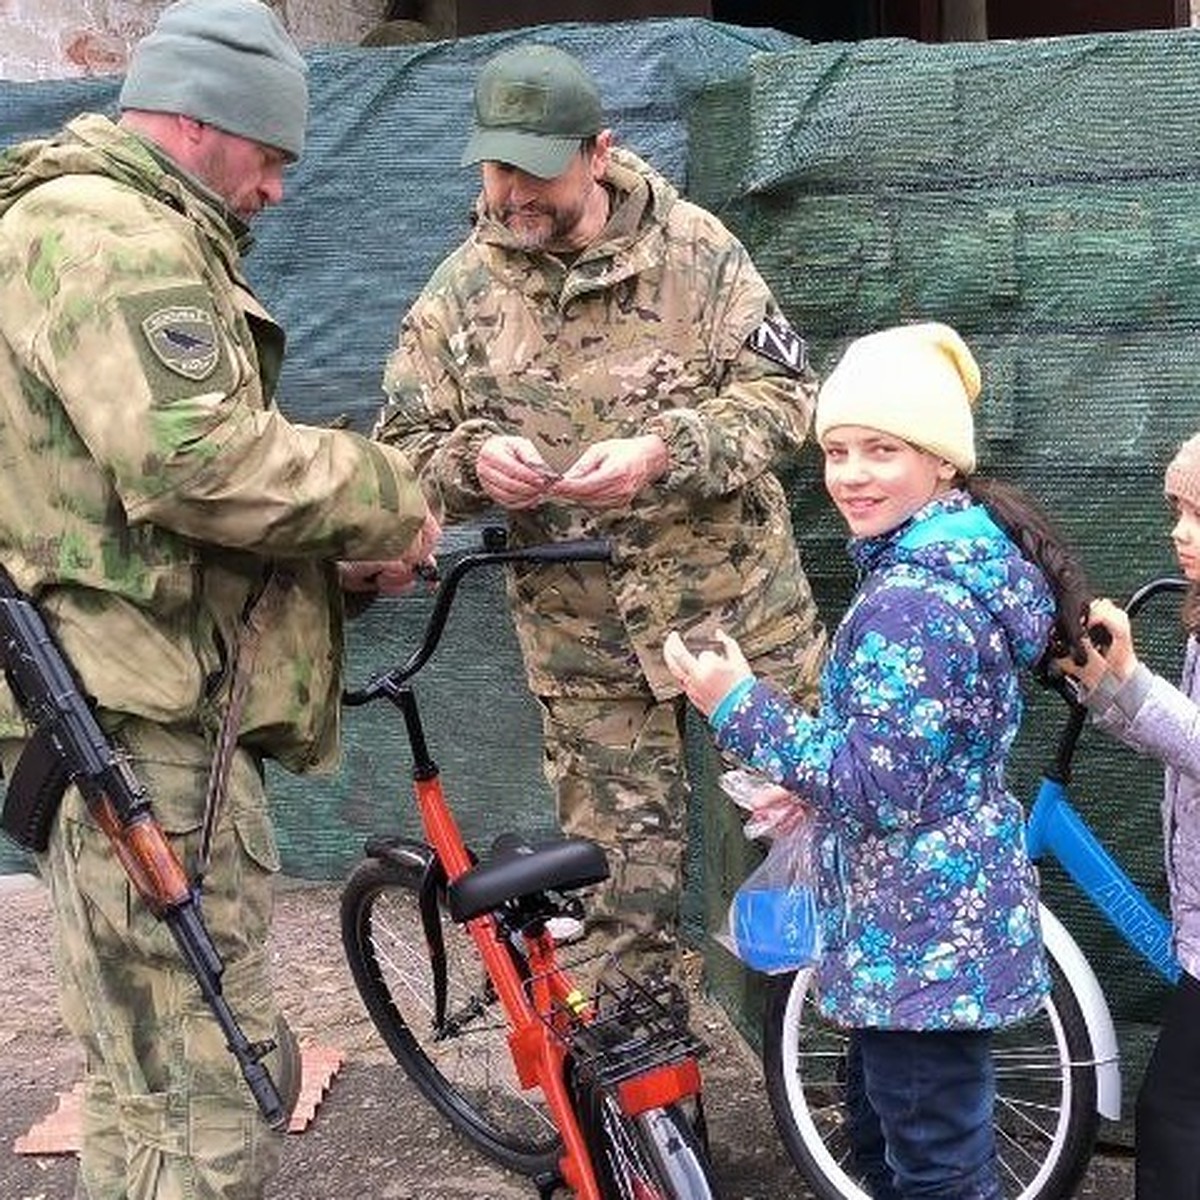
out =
column 147, row 482
column 660, row 326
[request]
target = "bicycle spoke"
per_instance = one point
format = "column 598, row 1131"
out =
column 464, row 1065
column 473, row 1016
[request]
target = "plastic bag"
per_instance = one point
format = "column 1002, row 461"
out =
column 771, row 807
column 773, row 924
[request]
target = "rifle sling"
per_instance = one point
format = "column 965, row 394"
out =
column 254, row 624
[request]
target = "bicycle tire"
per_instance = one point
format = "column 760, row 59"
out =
column 1043, row 1070
column 656, row 1153
column 467, row 1074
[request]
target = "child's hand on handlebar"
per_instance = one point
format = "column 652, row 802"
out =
column 1108, row 646
column 708, row 676
column 1113, row 620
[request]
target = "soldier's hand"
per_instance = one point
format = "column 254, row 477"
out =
column 706, row 677
column 419, row 555
column 513, row 472
column 610, row 473
column 388, row 577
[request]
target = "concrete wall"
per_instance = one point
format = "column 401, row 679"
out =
column 57, row 39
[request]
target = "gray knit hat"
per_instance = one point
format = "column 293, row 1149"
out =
column 228, row 63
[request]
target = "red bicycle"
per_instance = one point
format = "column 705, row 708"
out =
column 451, row 952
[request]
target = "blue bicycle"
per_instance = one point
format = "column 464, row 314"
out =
column 1056, row 1075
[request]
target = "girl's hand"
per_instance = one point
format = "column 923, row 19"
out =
column 1113, row 620
column 708, row 676
column 1108, row 645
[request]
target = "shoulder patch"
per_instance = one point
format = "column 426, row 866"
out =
column 184, row 339
column 777, row 340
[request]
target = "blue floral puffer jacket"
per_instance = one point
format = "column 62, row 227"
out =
column 929, row 901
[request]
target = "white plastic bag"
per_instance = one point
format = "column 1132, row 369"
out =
column 771, row 808
column 772, row 924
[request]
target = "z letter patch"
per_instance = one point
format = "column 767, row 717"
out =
column 777, row 340
column 184, row 340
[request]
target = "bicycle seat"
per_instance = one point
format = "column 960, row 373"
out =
column 517, row 869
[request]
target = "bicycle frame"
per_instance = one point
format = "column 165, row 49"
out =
column 543, row 1010
column 1055, row 827
column 538, row 1055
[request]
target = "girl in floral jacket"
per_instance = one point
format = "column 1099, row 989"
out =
column 1157, row 718
column 929, row 901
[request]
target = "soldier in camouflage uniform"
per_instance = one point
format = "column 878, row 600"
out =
column 601, row 358
column 150, row 491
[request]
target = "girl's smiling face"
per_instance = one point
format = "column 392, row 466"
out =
column 877, row 480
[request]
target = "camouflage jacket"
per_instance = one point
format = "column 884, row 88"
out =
column 651, row 329
column 148, row 484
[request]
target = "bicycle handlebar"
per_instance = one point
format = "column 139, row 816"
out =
column 1168, row 583
column 1068, row 688
column 493, row 551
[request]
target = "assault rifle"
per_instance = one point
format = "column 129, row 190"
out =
column 68, row 746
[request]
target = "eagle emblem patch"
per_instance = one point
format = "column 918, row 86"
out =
column 184, row 340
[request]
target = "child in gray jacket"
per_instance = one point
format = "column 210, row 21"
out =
column 1157, row 718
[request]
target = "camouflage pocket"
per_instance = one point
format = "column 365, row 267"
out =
column 257, row 835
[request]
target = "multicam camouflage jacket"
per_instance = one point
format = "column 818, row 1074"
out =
column 147, row 482
column 663, row 326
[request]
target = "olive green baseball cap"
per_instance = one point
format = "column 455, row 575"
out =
column 534, row 104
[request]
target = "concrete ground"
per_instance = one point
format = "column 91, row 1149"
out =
column 373, row 1136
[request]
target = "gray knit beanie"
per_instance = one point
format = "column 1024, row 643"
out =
column 228, row 63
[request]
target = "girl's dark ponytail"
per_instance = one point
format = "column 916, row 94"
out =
column 1031, row 529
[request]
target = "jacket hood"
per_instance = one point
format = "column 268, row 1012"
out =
column 956, row 539
column 93, row 145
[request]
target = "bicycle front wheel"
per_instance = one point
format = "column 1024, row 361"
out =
column 655, row 1154
column 465, row 1068
column 1046, row 1116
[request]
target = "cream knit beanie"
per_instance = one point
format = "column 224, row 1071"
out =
column 1183, row 473
column 916, row 382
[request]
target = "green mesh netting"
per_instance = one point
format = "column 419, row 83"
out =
column 1041, row 197
column 1038, row 195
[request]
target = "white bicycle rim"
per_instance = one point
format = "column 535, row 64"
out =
column 829, row 1165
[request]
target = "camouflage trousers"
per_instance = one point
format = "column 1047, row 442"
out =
column 167, row 1114
column 618, row 769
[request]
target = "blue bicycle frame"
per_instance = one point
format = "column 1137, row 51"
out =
column 1055, row 827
